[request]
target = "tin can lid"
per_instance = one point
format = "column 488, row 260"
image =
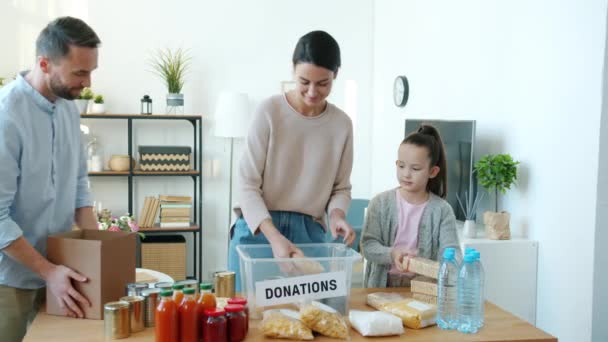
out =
column 132, row 298
column 187, row 282
column 225, row 274
column 113, row 306
column 137, row 285
column 163, row 284
column 147, row 292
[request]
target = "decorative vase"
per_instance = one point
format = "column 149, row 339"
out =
column 119, row 162
column 175, row 103
column 470, row 229
column 97, row 108
column 497, row 225
column 81, row 105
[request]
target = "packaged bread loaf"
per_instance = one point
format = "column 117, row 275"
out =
column 414, row 314
column 285, row 324
column 324, row 320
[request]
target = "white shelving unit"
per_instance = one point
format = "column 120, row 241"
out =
column 511, row 271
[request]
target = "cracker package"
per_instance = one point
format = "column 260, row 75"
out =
column 285, row 324
column 425, row 298
column 424, row 285
column 421, row 266
column 324, row 320
column 414, row 314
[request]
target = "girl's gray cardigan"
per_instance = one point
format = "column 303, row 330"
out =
column 437, row 231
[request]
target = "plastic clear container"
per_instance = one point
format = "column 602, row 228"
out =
column 258, row 264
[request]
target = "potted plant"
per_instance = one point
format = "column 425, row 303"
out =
column 469, row 209
column 497, row 173
column 82, row 102
column 171, row 66
column 97, row 107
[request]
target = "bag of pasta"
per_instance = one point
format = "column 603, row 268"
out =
column 324, row 320
column 285, row 324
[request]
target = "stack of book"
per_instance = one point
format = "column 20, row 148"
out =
column 175, row 211
column 148, row 213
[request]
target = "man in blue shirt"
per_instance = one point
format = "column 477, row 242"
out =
column 43, row 174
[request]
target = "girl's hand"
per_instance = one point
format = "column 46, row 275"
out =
column 339, row 227
column 399, row 255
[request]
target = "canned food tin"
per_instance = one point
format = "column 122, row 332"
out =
column 116, row 320
column 165, row 285
column 151, row 299
column 136, row 312
column 134, row 289
column 224, row 284
column 189, row 284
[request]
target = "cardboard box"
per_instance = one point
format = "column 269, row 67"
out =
column 107, row 259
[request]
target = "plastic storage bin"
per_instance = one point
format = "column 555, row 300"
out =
column 325, row 263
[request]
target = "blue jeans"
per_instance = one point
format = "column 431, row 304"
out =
column 296, row 227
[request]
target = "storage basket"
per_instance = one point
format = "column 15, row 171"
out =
column 164, row 158
column 165, row 254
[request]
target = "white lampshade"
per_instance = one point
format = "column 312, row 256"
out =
column 232, row 115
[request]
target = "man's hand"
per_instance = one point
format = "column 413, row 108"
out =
column 58, row 280
column 339, row 227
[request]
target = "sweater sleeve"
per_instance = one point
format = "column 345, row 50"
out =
column 341, row 192
column 251, row 171
column 447, row 230
column 373, row 247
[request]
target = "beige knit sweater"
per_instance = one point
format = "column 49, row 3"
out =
column 295, row 163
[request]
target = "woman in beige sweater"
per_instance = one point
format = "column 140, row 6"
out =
column 297, row 161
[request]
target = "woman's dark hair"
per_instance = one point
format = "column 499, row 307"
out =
column 318, row 48
column 428, row 136
column 55, row 39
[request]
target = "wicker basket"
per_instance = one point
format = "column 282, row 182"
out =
column 164, row 158
column 166, row 254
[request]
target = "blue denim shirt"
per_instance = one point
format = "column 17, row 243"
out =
column 43, row 173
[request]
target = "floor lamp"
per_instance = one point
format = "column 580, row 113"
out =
column 231, row 121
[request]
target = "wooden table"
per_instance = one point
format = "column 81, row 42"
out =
column 499, row 326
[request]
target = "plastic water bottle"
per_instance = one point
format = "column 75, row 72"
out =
column 481, row 274
column 446, row 291
column 468, row 296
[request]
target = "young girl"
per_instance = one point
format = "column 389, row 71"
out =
column 413, row 219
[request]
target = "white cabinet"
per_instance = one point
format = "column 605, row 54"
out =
column 510, row 268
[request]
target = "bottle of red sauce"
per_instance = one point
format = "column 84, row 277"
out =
column 188, row 317
column 237, row 322
column 166, row 316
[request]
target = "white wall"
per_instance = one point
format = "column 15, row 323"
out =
column 600, row 277
column 530, row 73
column 239, row 45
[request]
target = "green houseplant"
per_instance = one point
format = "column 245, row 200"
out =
column 497, row 173
column 97, row 107
column 172, row 66
column 82, row 102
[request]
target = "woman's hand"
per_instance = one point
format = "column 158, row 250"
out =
column 339, row 227
column 281, row 246
column 399, row 254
